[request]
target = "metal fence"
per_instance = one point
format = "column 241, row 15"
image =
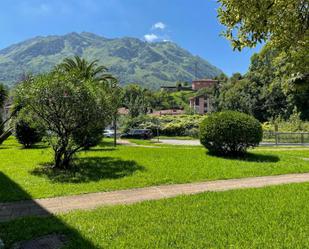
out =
column 286, row 137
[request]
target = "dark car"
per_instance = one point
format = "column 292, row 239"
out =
column 138, row 134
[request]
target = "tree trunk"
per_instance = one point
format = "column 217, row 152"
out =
column 58, row 159
column 115, row 130
column 63, row 158
column 66, row 161
column 5, row 136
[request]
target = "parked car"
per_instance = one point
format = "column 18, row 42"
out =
column 108, row 133
column 138, row 134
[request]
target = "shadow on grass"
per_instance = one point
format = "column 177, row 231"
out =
column 35, row 147
column 249, row 157
column 21, row 228
column 100, row 149
column 90, row 169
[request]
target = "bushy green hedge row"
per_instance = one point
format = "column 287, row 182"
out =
column 180, row 125
column 293, row 124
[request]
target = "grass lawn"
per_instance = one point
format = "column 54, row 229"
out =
column 272, row 217
column 104, row 168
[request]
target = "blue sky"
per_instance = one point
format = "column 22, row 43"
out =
column 192, row 24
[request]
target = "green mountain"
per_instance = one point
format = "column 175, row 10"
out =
column 131, row 60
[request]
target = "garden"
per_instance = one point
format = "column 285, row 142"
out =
column 236, row 188
column 52, row 145
column 106, row 168
column 277, row 214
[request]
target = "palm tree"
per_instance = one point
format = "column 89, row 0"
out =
column 88, row 70
column 98, row 73
column 3, row 95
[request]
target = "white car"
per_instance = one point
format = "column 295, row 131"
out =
column 108, row 133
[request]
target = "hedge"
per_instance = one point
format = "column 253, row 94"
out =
column 230, row 133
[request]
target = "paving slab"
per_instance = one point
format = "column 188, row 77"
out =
column 50, row 206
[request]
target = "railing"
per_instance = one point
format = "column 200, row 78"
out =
column 286, row 137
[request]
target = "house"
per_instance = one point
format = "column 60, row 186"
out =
column 5, row 111
column 201, row 104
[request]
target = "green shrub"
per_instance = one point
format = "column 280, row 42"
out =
column 178, row 125
column 88, row 138
column 140, row 122
column 194, row 132
column 293, row 124
column 230, row 133
column 27, row 134
column 173, row 129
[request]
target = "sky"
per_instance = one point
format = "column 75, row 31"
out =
column 192, row 24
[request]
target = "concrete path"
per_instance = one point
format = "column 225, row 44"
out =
column 180, row 142
column 43, row 207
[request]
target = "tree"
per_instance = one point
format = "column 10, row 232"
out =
column 135, row 99
column 27, row 134
column 87, row 70
column 284, row 23
column 263, row 92
column 3, row 95
column 70, row 107
column 97, row 73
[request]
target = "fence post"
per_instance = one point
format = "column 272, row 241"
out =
column 276, row 135
column 276, row 138
column 302, row 138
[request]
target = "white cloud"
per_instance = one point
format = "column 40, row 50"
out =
column 159, row 25
column 151, row 37
column 158, row 33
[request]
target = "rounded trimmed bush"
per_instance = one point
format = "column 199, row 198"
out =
column 27, row 134
column 230, row 133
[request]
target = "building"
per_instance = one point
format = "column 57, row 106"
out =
column 5, row 111
column 202, row 103
column 204, row 83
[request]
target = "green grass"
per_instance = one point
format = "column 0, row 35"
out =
column 272, row 217
column 105, row 168
column 152, row 143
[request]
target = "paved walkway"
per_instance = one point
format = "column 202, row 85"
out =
column 43, row 207
column 180, row 142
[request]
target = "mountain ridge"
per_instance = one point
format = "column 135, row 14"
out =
column 130, row 59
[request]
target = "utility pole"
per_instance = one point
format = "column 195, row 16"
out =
column 115, row 129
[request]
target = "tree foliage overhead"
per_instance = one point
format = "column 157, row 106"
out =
column 248, row 22
column 282, row 24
